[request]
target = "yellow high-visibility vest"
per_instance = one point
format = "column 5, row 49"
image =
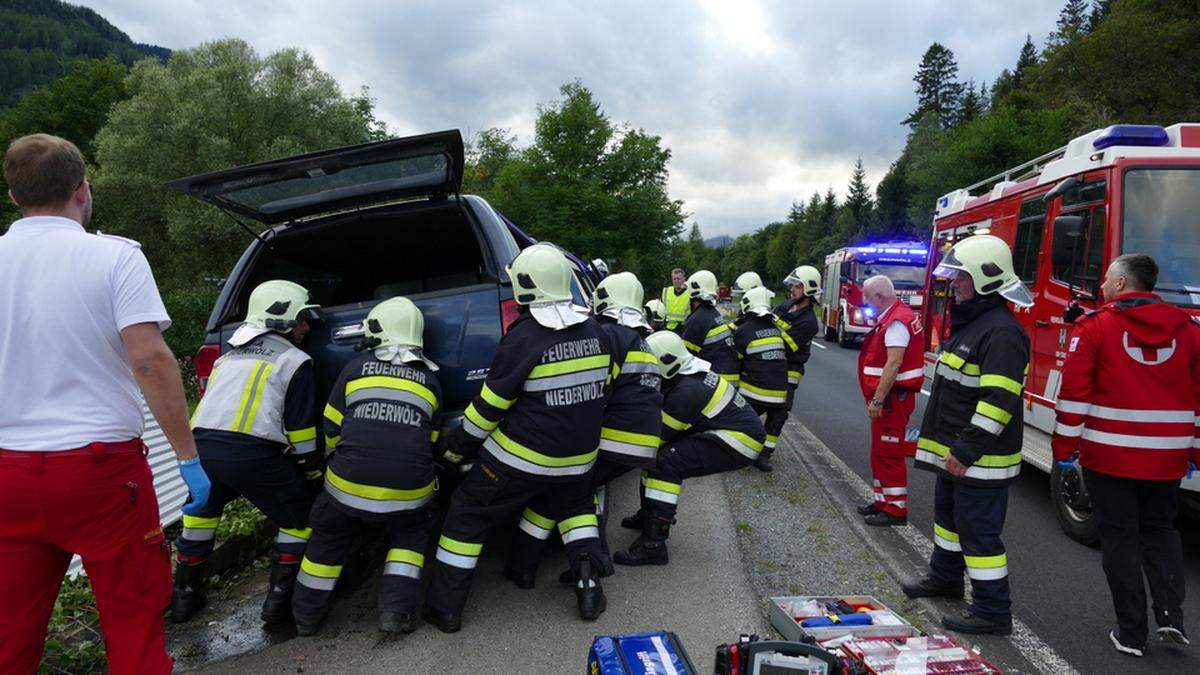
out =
column 678, row 306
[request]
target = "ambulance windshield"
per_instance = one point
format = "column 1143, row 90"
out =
column 1162, row 219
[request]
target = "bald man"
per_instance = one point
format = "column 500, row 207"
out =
column 890, row 373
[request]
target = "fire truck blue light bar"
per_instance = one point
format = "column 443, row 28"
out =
column 1131, row 134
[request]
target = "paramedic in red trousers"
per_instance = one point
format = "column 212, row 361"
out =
column 1126, row 412
column 80, row 322
column 890, row 373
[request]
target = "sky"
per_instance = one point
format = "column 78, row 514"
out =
column 761, row 102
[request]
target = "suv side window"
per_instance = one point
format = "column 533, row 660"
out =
column 1031, row 224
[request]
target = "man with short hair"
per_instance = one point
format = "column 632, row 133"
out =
column 80, row 322
column 677, row 300
column 1126, row 410
column 890, row 373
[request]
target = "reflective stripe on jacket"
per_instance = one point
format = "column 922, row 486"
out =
column 762, row 352
column 706, row 335
column 874, row 354
column 633, row 415
column 703, row 403
column 678, row 306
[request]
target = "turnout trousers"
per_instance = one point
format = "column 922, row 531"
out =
column 102, row 506
column 1136, row 520
column 333, row 530
column 536, row 527
column 268, row 480
column 488, row 496
column 889, row 473
column 685, row 458
column 967, row 522
column 776, row 417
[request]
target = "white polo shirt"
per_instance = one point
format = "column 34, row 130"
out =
column 65, row 295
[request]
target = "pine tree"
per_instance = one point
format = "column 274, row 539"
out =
column 858, row 196
column 938, row 88
column 1073, row 22
column 971, row 105
column 1099, row 13
column 1025, row 60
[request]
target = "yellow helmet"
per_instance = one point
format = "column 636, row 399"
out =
column 656, row 309
column 670, row 351
column 395, row 322
column 757, row 301
column 807, row 277
column 988, row 260
column 621, row 290
column 540, row 273
column 702, row 285
column 746, row 281
column 278, row 305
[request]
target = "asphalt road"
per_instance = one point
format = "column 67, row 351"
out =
column 1058, row 586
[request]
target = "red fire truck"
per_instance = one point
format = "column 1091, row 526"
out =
column 1067, row 214
column 846, row 314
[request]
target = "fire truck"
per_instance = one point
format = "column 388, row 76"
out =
column 1067, row 214
column 846, row 314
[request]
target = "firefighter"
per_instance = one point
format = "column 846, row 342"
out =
column 746, row 281
column 763, row 355
column 705, row 332
column 632, row 422
column 890, row 374
column 1126, row 410
column 798, row 321
column 656, row 314
column 538, row 419
column 382, row 417
column 707, row 428
column 256, row 432
column 677, row 300
column 971, row 435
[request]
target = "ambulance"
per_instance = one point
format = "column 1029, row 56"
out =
column 846, row 314
column 1067, row 214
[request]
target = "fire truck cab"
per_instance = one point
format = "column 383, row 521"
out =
column 846, row 314
column 1067, row 214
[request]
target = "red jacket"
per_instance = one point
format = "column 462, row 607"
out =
column 1130, row 390
column 873, row 356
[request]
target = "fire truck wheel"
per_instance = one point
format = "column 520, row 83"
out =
column 830, row 333
column 844, row 339
column 1072, row 506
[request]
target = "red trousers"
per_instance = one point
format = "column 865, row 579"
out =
column 99, row 503
column 888, row 450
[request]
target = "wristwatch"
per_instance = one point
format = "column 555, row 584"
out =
column 877, row 402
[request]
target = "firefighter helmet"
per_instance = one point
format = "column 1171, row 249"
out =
column 757, row 301
column 670, row 351
column 540, row 273
column 656, row 310
column 746, row 281
column 617, row 291
column 395, row 322
column 807, row 278
column 988, row 260
column 278, row 305
column 702, row 285
column 600, row 266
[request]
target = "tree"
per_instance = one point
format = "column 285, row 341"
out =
column 1009, row 83
column 938, row 88
column 971, row 105
column 858, row 197
column 1073, row 22
column 892, row 198
column 1099, row 12
column 487, row 155
column 217, row 106
column 594, row 187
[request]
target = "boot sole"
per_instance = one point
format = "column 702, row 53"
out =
column 1173, row 636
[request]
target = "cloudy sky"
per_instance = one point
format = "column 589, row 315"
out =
column 761, row 103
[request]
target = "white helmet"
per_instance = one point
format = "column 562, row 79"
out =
column 757, row 301
column 394, row 322
column 600, row 266
column 278, row 305
column 540, row 273
column 702, row 285
column 616, row 291
column 656, row 310
column 746, row 281
column 808, row 278
column 988, row 260
column 670, row 351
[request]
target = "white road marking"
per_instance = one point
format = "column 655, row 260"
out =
column 926, row 393
column 819, row 345
column 1041, row 655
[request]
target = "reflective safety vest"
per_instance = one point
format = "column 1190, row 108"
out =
column 248, row 389
column 678, row 304
column 873, row 356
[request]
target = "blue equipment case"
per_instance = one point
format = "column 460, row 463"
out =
column 656, row 653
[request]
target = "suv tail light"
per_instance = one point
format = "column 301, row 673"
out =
column 203, row 362
column 509, row 310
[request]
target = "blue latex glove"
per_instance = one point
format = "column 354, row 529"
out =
column 1191, row 467
column 1070, row 462
column 197, row 482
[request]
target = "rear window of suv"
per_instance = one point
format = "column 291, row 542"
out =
column 371, row 257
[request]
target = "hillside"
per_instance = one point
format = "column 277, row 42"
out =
column 40, row 38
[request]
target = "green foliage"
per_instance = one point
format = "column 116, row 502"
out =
column 73, row 641
column 587, row 184
column 938, row 88
column 239, row 518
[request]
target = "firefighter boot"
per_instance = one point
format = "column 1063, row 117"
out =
column 651, row 547
column 763, row 462
column 278, row 605
column 966, row 621
column 397, row 622
column 633, row 522
column 188, row 596
column 930, row 587
column 589, row 594
column 444, row 621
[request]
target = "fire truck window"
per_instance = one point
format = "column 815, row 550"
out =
column 1089, row 270
column 1029, row 239
column 1159, row 220
column 1087, row 193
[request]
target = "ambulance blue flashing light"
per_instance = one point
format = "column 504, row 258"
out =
column 893, row 250
column 1131, row 134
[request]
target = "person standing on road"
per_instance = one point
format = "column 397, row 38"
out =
column 890, row 373
column 383, row 415
column 676, row 299
column 705, row 332
column 762, row 352
column 1126, row 412
column 971, row 435
column 538, row 419
column 256, row 428
column 707, row 428
column 80, row 334
column 798, row 321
